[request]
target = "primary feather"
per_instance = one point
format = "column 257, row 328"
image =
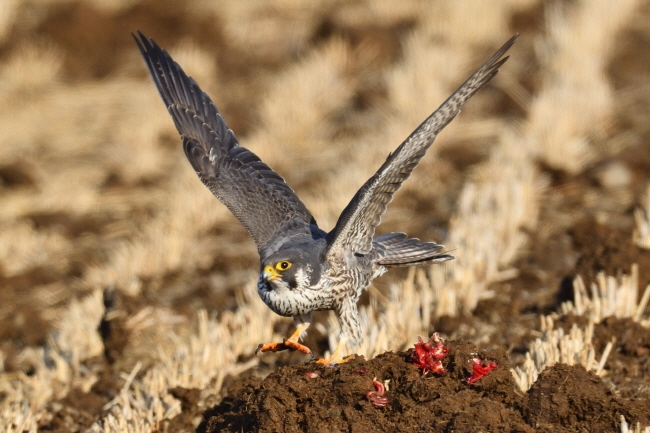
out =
column 254, row 193
column 355, row 227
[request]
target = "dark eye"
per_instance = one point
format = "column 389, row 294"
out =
column 283, row 265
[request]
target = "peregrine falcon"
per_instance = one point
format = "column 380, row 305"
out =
column 303, row 268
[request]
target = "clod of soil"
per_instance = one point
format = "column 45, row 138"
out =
column 291, row 399
column 568, row 398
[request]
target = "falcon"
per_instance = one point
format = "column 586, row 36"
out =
column 303, row 268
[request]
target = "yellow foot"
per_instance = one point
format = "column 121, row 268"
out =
column 290, row 343
column 285, row 345
column 334, row 360
column 336, row 357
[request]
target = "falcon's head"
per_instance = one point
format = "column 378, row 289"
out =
column 291, row 269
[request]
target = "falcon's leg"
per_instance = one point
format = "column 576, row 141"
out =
column 291, row 343
column 350, row 331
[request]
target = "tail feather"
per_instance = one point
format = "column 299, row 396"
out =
column 395, row 249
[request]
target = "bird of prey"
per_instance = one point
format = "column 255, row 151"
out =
column 303, row 268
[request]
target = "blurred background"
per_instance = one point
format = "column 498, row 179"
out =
column 99, row 205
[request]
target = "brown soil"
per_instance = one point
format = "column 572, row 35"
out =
column 565, row 398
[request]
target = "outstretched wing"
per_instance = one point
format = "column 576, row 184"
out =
column 254, row 193
column 356, row 226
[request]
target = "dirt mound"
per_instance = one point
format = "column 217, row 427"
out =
column 291, row 399
column 576, row 400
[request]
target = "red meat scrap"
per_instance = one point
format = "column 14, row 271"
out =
column 428, row 356
column 479, row 370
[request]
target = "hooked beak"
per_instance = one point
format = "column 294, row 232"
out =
column 269, row 274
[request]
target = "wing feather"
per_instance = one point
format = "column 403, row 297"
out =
column 254, row 193
column 355, row 227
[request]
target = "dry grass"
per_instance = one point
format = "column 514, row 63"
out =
column 195, row 358
column 57, row 366
column 94, row 188
column 574, row 57
column 642, row 219
column 636, row 428
column 609, row 297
